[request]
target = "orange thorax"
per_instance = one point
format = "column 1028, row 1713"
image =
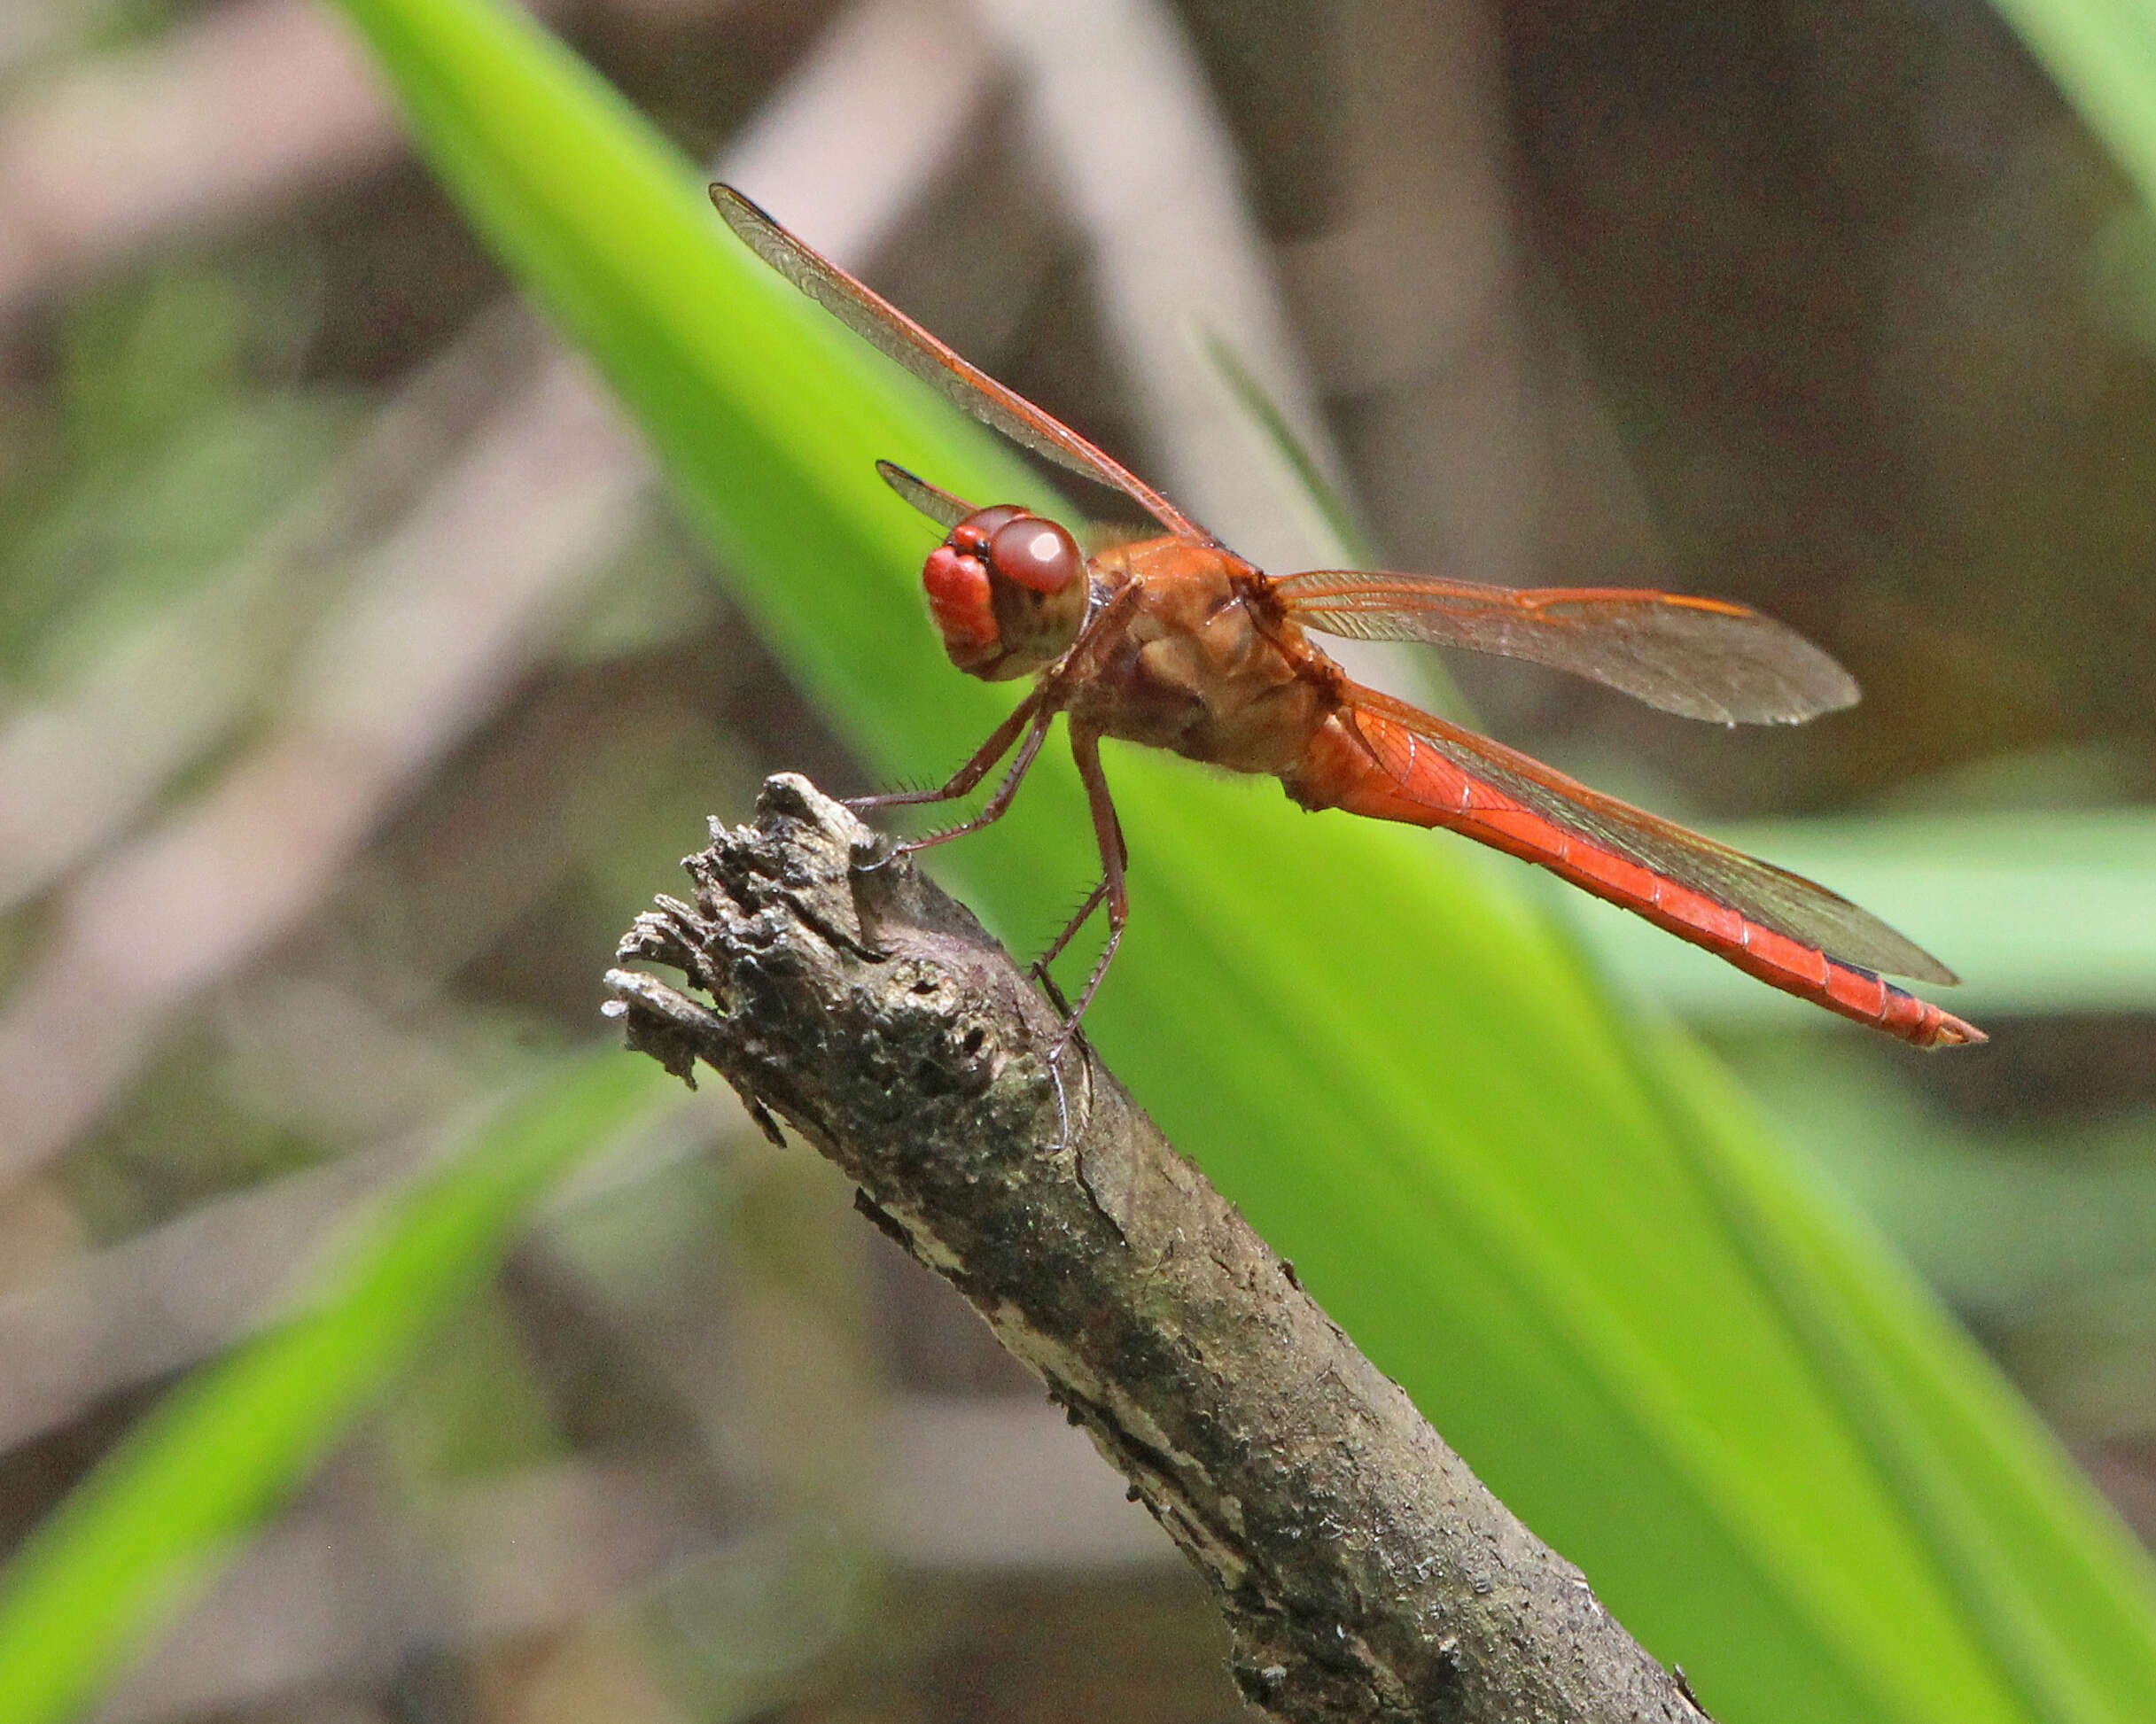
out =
column 1198, row 660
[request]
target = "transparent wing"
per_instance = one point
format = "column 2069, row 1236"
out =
column 1703, row 658
column 931, row 499
column 878, row 321
column 1775, row 898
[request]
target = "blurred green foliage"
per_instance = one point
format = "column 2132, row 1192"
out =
column 1690, row 1367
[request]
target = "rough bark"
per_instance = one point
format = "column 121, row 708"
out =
column 1362, row 1571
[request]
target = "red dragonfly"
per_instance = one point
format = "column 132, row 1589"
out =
column 1177, row 642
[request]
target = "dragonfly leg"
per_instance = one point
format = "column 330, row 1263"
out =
column 1036, row 710
column 1093, row 900
column 1055, row 946
column 1108, row 834
column 995, row 807
column 973, row 771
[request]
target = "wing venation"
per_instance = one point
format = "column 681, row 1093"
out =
column 1702, row 659
column 876, row 320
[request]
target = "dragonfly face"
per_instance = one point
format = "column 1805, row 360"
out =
column 1008, row 590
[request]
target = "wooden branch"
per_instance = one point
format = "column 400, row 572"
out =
column 1365, row 1574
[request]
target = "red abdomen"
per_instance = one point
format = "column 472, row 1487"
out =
column 1420, row 787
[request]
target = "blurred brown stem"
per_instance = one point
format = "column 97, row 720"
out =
column 1365, row 1574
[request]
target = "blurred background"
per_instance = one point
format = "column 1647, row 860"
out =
column 357, row 686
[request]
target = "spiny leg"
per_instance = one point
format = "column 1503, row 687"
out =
column 1078, row 919
column 998, row 804
column 1055, row 946
column 1108, row 834
column 1036, row 708
column 972, row 772
column 1045, row 978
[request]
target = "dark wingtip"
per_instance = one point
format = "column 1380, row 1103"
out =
column 932, row 501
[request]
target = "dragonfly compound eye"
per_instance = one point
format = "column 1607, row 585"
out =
column 970, row 536
column 1036, row 553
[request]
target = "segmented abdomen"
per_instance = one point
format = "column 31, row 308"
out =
column 1419, row 786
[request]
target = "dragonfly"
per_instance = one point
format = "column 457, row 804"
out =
column 1177, row 642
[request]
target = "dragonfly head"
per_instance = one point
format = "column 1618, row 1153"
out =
column 1007, row 590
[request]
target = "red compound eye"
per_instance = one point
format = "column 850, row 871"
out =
column 1034, row 552
column 970, row 536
